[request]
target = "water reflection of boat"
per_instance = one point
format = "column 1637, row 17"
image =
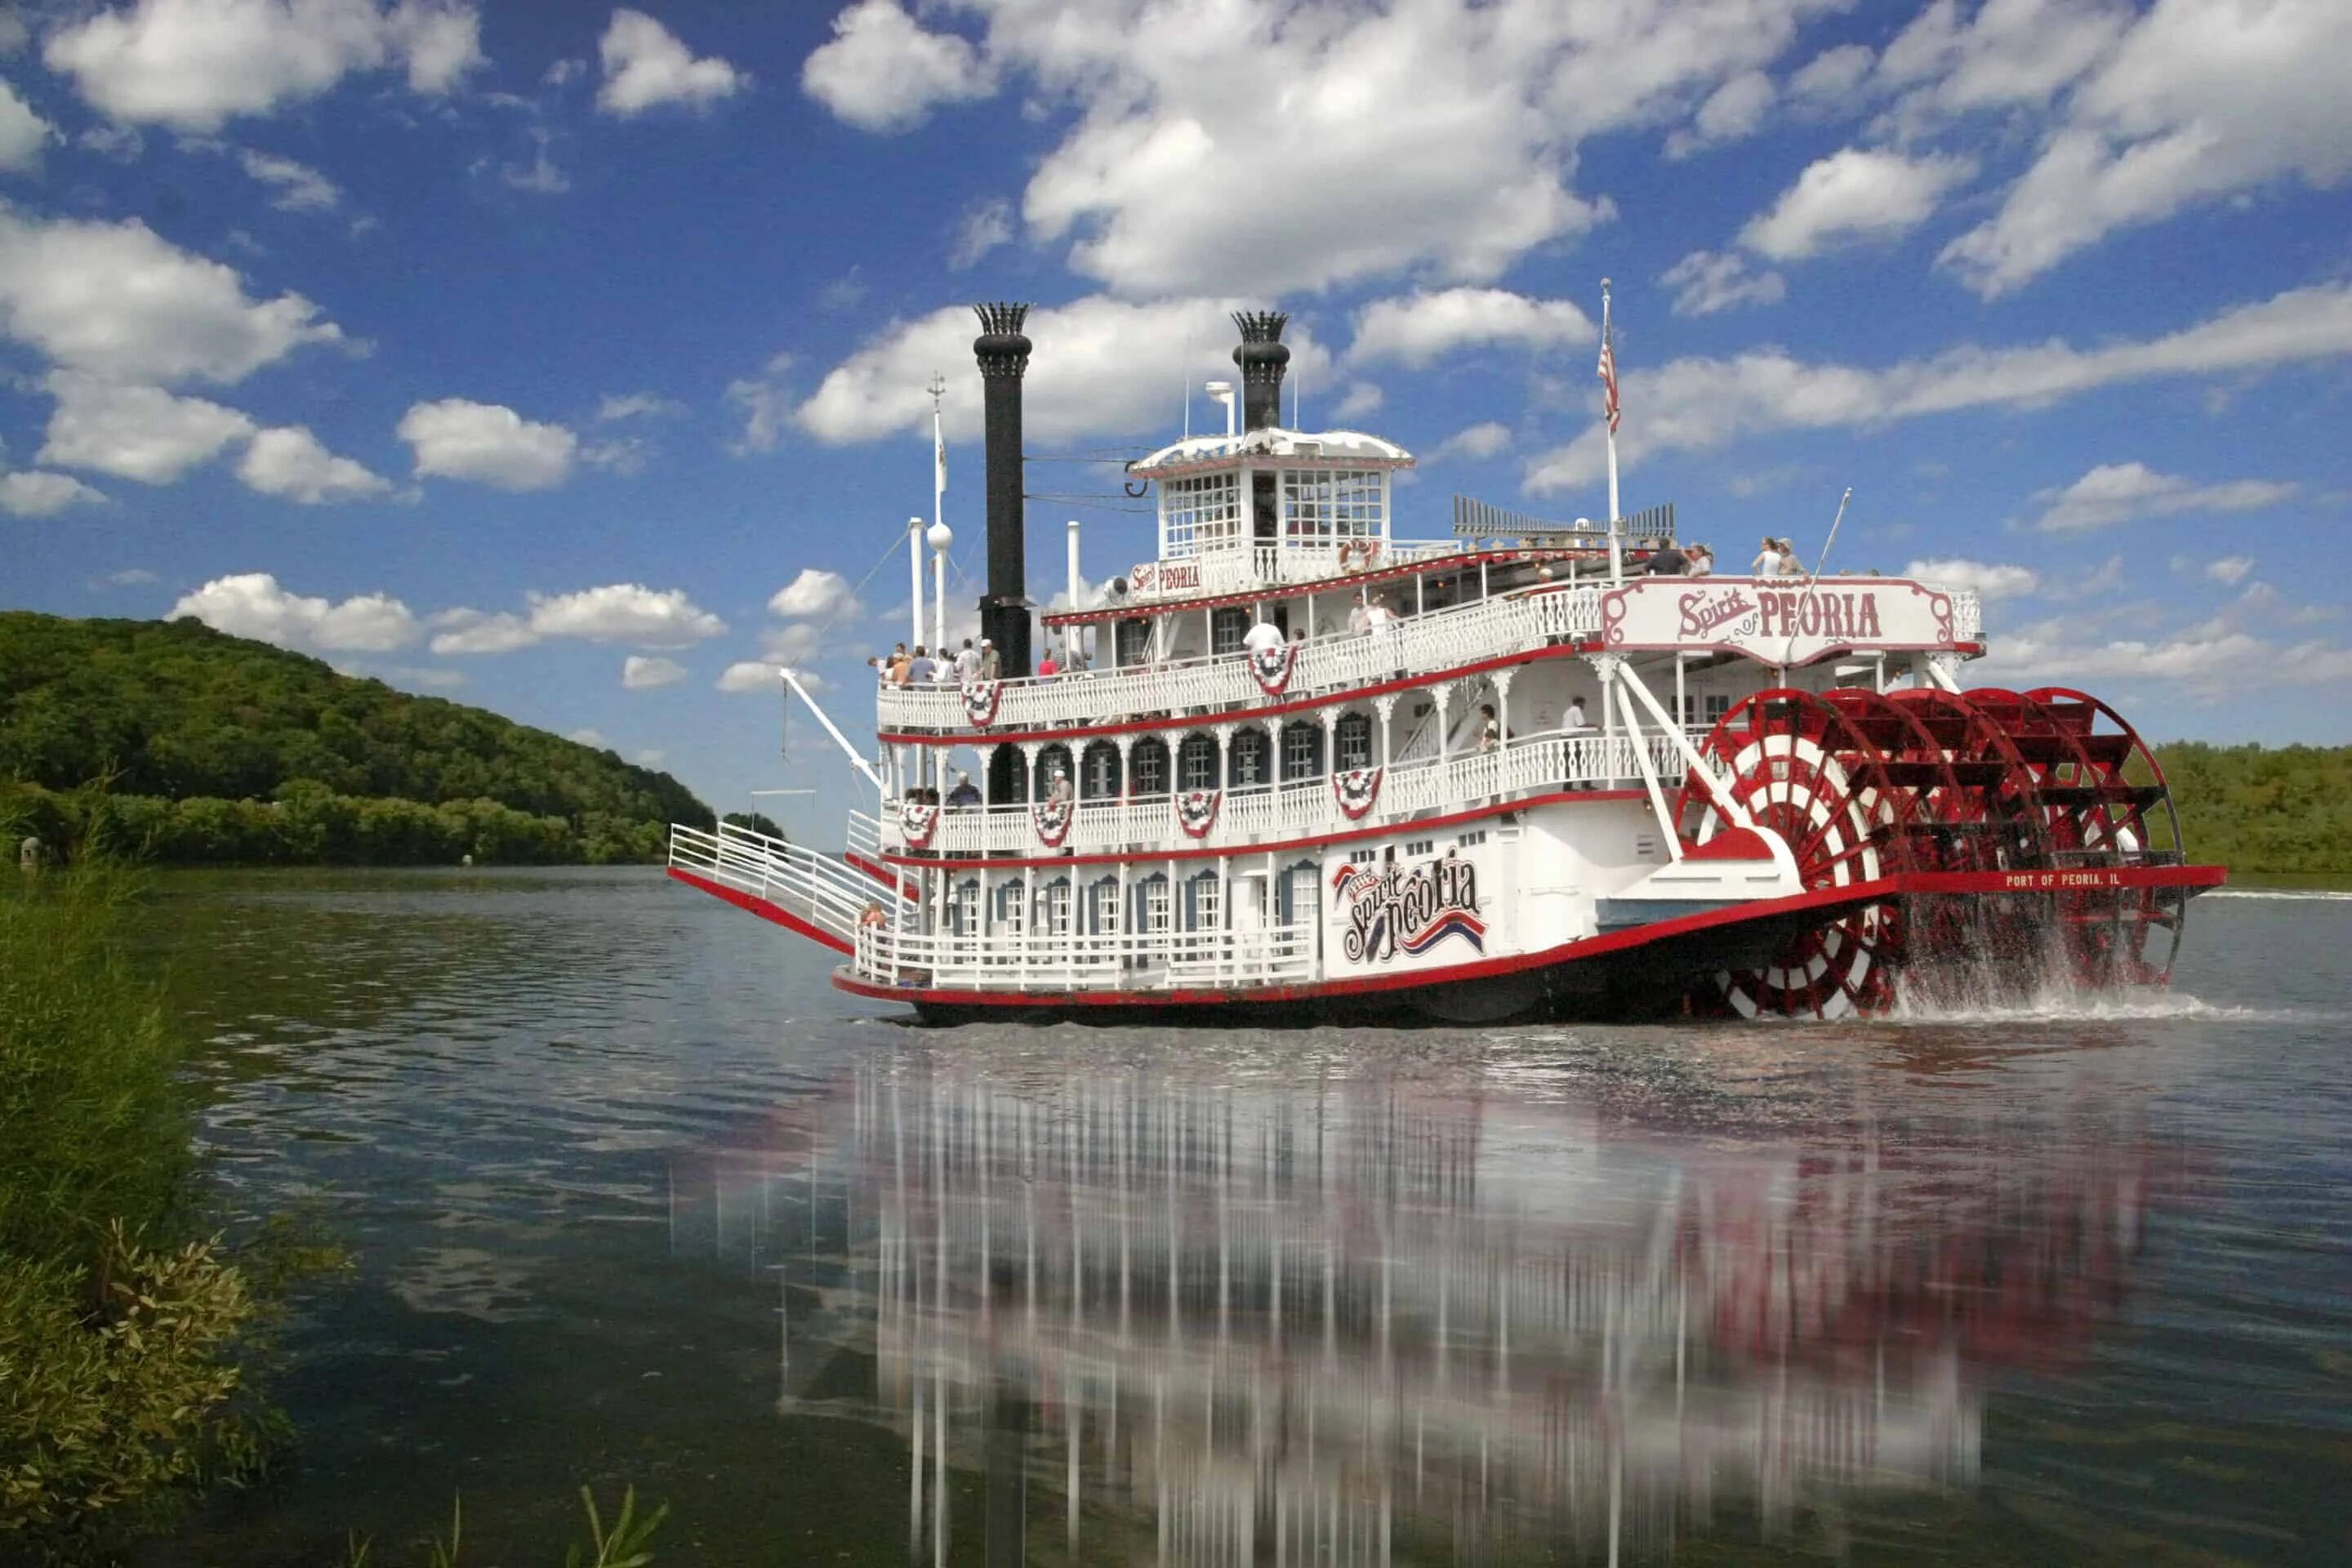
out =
column 1365, row 1323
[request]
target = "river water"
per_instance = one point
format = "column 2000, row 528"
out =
column 634, row 1196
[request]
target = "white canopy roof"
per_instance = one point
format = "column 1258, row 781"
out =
column 1342, row 446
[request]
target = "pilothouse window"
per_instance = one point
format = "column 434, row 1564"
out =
column 1327, row 504
column 1200, row 513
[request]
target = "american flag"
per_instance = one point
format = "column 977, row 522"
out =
column 1608, row 374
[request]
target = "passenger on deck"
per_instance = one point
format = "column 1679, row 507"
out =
column 1360, row 617
column 1790, row 566
column 1046, row 667
column 965, row 793
column 1702, row 561
column 1767, row 560
column 1572, row 724
column 1490, row 729
column 967, row 662
column 991, row 663
column 899, row 670
column 1667, row 561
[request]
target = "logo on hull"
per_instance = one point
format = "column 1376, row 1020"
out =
column 1389, row 909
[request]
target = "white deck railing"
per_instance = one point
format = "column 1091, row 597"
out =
column 819, row 888
column 1442, row 639
column 1274, row 814
column 1074, row 960
column 1239, row 569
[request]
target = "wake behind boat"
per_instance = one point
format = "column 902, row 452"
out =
column 1295, row 766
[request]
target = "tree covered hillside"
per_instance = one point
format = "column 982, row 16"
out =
column 221, row 749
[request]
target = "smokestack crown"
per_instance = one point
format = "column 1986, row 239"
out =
column 1262, row 356
column 1001, row 347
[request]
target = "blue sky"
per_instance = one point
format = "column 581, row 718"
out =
column 531, row 354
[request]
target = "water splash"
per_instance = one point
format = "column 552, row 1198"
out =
column 2069, row 1004
column 2296, row 894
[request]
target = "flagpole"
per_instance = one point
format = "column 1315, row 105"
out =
column 939, row 490
column 1608, row 422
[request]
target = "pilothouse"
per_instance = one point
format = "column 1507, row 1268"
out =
column 1294, row 765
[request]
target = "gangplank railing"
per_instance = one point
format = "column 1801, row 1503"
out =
column 1065, row 959
column 816, row 888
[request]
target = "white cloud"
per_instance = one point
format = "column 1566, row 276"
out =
column 1425, row 326
column 815, row 595
column 2201, row 99
column 590, row 738
column 1855, row 193
column 1103, row 366
column 621, row 454
column 195, row 64
column 751, row 675
column 2229, row 569
column 1731, row 112
column 299, row 187
column 2223, row 656
column 37, row 494
column 1993, row 580
column 1832, row 75
column 881, row 71
column 141, row 433
column 1694, row 405
column 650, row 757
column 487, row 443
column 433, row 678
column 2010, row 53
column 289, row 461
column 121, row 143
column 115, row 298
column 798, row 643
column 618, row 612
column 646, row 66
column 2115, row 493
column 981, row 230
column 23, row 133
column 767, row 406
column 640, row 673
column 1361, row 397
column 252, row 604
column 1483, row 440
column 1710, row 282
column 636, row 405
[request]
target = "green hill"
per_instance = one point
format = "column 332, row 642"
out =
column 2284, row 810
column 220, row 749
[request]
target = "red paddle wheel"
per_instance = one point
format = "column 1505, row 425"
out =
column 1863, row 786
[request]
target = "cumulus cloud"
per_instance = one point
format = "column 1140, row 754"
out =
column 1856, row 194
column 142, row 433
column 291, row 462
column 751, row 675
column 196, row 64
column 981, row 229
column 2006, row 54
column 1731, row 112
column 1361, row 397
column 2229, row 569
column 2223, row 656
column 23, row 133
column 618, row 612
column 1482, row 440
column 636, row 405
column 252, row 604
column 1992, row 580
column 765, row 402
column 116, row 300
column 1694, row 404
column 487, row 443
column 1832, row 74
column 642, row 673
column 1103, row 366
column 882, row 71
column 37, row 494
column 815, row 595
column 2115, row 493
column 295, row 187
column 645, row 67
column 1416, row 329
column 2198, row 100
column 1707, row 281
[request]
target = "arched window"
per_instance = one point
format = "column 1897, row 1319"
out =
column 1055, row 759
column 1052, row 918
column 1251, row 764
column 1353, row 741
column 1227, row 627
column 1131, row 641
column 1098, row 772
column 963, row 908
column 1102, row 908
column 1204, row 902
column 1150, row 902
column 1149, row 763
column 1011, row 907
column 1302, row 752
column 1196, row 763
column 1301, row 892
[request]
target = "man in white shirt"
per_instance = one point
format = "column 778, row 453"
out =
column 1263, row 636
column 1360, row 617
column 1574, row 725
column 967, row 662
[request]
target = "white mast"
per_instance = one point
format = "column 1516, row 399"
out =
column 1609, row 418
column 939, row 492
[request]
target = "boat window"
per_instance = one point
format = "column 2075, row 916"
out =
column 1149, row 763
column 1104, row 898
column 1054, row 908
column 1227, row 627
column 1355, row 740
column 1252, row 761
column 1203, row 903
column 1099, row 780
column 1131, row 643
column 1151, row 903
column 1328, row 504
column 1053, row 763
column 1196, row 763
column 1199, row 513
column 1301, row 888
column 1302, row 752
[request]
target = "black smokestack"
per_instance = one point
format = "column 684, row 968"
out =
column 1263, row 358
column 1003, row 360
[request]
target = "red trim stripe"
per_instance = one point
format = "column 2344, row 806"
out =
column 879, row 872
column 1341, row 835
column 1288, row 590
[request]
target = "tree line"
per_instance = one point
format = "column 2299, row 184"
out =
column 217, row 749
column 2285, row 810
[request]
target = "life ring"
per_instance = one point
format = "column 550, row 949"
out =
column 1361, row 553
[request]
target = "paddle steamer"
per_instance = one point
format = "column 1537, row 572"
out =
column 1293, row 765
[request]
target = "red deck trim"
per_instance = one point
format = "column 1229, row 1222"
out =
column 1340, row 835
column 978, row 737
column 764, row 910
column 879, row 872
